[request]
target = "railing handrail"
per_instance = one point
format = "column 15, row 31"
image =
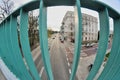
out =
column 9, row 28
column 112, row 11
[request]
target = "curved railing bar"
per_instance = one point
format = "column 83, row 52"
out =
column 90, row 4
column 24, row 74
column 3, row 47
column 94, row 5
column 103, row 42
column 78, row 40
column 8, row 53
column 10, row 49
column 111, row 63
column 116, row 74
column 25, row 44
column 114, row 69
column 112, row 12
column 43, row 37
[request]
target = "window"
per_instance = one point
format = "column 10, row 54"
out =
column 85, row 38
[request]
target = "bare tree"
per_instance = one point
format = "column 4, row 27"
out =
column 33, row 30
column 6, row 7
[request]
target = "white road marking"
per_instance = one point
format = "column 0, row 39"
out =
column 68, row 64
column 66, row 55
column 67, row 59
column 41, row 71
column 81, row 58
column 70, row 71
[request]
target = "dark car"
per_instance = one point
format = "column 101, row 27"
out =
column 62, row 41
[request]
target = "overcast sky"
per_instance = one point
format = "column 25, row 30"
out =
column 56, row 14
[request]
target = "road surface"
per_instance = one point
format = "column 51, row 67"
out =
column 60, row 67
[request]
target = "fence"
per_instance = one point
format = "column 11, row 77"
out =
column 11, row 54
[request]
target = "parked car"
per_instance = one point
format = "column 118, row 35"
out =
column 89, row 45
column 72, row 40
column 61, row 40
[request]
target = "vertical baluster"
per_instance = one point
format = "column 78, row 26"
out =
column 8, row 51
column 25, row 44
column 18, row 61
column 116, row 74
column 1, row 29
column 78, row 40
column 113, row 65
column 44, row 40
column 3, row 47
column 1, row 43
column 103, row 42
column 2, row 52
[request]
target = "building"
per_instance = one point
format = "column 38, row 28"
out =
column 68, row 26
column 89, row 24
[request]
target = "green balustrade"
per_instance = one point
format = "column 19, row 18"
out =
column 43, row 37
column 103, row 42
column 12, row 56
column 25, row 44
column 24, row 74
column 114, row 54
column 78, row 40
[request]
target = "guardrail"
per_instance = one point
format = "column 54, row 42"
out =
column 10, row 51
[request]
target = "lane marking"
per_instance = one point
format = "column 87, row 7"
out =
column 41, row 71
column 69, row 71
column 66, row 55
column 68, row 64
column 81, row 58
column 67, row 59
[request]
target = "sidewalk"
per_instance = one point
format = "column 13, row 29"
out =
column 83, row 71
column 85, row 61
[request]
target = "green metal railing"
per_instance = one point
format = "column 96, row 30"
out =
column 10, row 50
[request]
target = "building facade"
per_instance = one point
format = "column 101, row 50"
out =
column 89, row 24
column 68, row 26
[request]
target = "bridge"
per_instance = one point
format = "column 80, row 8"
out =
column 10, row 50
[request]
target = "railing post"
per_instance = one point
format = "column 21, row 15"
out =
column 113, row 65
column 8, row 52
column 23, row 72
column 43, row 37
column 78, row 40
column 25, row 44
column 3, row 46
column 103, row 43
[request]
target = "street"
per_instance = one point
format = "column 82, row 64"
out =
column 61, row 56
column 61, row 69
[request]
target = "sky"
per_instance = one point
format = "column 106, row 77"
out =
column 56, row 14
column 115, row 4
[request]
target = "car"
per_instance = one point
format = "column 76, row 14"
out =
column 89, row 45
column 61, row 40
column 72, row 40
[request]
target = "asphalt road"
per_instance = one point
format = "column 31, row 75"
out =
column 59, row 63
